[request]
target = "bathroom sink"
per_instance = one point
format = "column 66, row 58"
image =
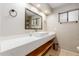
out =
column 23, row 43
column 38, row 34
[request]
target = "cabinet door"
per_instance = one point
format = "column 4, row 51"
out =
column 73, row 16
column 63, row 17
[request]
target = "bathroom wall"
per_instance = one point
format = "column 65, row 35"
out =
column 67, row 33
column 14, row 25
column 0, row 22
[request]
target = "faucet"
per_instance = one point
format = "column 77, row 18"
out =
column 36, row 30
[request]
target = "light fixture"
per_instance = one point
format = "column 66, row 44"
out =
column 46, row 11
column 38, row 5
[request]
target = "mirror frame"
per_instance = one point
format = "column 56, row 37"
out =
column 35, row 14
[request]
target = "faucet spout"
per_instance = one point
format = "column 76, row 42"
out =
column 36, row 30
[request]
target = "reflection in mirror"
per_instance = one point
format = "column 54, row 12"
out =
column 32, row 20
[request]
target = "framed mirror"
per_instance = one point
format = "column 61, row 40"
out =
column 32, row 20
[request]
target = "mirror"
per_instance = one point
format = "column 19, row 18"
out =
column 32, row 20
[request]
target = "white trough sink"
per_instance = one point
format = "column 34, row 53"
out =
column 18, row 45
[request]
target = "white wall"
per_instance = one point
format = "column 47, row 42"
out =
column 14, row 25
column 67, row 34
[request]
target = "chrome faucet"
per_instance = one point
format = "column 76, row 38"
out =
column 36, row 30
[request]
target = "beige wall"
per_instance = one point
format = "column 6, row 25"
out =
column 67, row 34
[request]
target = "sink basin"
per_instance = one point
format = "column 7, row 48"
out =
column 19, row 44
column 38, row 34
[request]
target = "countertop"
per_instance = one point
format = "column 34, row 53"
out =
column 14, row 45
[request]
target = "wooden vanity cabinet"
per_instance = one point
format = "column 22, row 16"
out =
column 42, row 49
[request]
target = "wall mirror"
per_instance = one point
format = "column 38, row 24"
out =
column 32, row 20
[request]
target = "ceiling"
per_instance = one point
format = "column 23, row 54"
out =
column 47, row 7
column 56, row 5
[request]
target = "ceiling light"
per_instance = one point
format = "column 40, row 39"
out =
column 38, row 5
column 46, row 11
